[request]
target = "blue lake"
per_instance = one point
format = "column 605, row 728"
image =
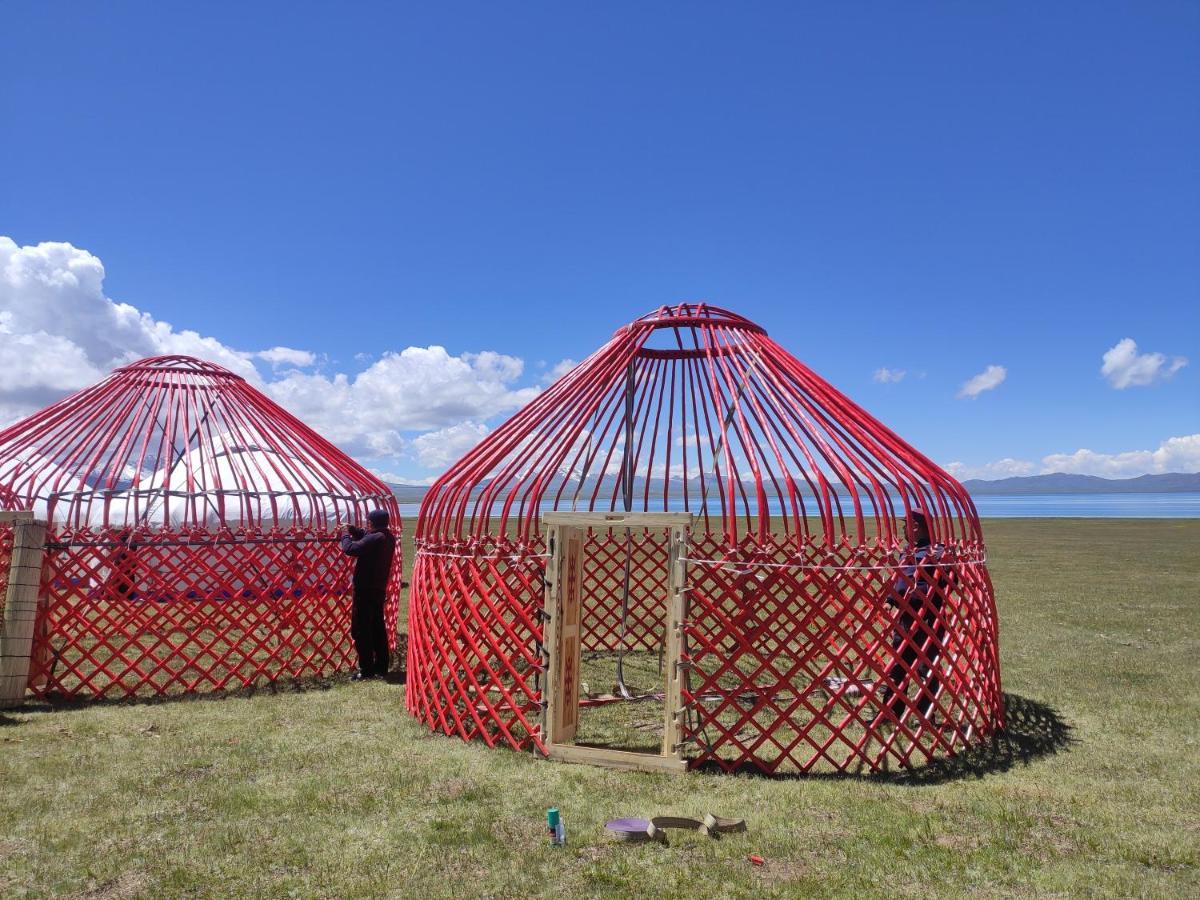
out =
column 1089, row 506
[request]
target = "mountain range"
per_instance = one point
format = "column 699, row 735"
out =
column 1062, row 483
column 1056, row 483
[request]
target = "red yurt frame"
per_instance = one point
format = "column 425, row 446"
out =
column 814, row 636
column 192, row 540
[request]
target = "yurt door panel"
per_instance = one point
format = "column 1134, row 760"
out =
column 566, row 535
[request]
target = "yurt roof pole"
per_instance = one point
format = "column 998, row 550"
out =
column 627, row 496
column 721, row 447
column 172, row 465
column 628, row 462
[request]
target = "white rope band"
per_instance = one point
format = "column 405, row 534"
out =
column 738, row 570
column 517, row 556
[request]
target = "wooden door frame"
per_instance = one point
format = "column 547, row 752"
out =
column 557, row 527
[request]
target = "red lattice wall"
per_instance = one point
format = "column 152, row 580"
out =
column 787, row 653
column 163, row 613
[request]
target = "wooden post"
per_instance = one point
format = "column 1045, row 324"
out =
column 20, row 604
column 550, row 633
column 563, row 604
column 676, row 614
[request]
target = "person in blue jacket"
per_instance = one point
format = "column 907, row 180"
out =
column 373, row 551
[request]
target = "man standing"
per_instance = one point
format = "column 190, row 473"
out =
column 918, row 593
column 373, row 550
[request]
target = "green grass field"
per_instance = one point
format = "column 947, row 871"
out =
column 330, row 790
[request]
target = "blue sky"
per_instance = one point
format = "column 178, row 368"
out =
column 931, row 189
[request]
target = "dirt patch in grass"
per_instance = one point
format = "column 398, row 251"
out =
column 597, row 852
column 195, row 773
column 781, row 871
column 464, row 867
column 126, row 885
column 519, row 832
column 959, row 843
column 452, row 788
column 1048, row 839
column 13, row 846
column 922, row 805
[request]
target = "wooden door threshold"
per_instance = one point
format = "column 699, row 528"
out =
column 617, row 759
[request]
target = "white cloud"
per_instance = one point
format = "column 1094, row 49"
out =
column 286, row 356
column 987, row 380
column 38, row 368
column 417, row 389
column 59, row 332
column 1176, row 454
column 1125, row 367
column 889, row 376
column 396, row 478
column 437, row 449
column 1001, row 468
column 561, row 368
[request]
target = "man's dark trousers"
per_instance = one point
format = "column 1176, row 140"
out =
column 907, row 637
column 369, row 632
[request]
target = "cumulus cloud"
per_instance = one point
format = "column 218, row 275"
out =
column 558, row 370
column 38, row 368
column 397, row 478
column 1001, row 468
column 989, row 379
column 1125, row 367
column 888, row 376
column 59, row 332
column 286, row 356
column 417, row 389
column 1175, row 454
column 437, row 449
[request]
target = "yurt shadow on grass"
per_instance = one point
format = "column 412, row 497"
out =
column 695, row 512
column 1032, row 730
column 192, row 540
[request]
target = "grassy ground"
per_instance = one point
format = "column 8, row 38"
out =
column 330, row 790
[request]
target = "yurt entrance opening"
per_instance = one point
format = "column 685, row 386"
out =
column 614, row 601
column 659, row 649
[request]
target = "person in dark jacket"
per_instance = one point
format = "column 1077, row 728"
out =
column 121, row 583
column 373, row 551
column 918, row 593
